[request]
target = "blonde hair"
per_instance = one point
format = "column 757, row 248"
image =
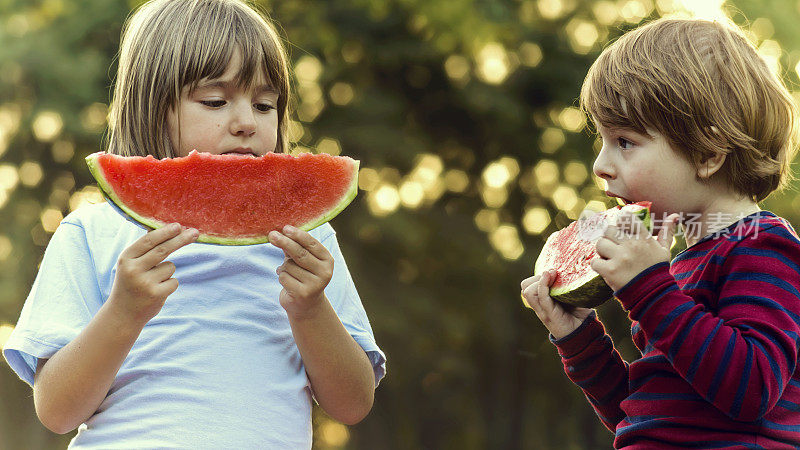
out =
column 169, row 44
column 703, row 86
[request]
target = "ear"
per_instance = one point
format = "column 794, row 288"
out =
column 710, row 166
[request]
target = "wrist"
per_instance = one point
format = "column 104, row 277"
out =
column 562, row 332
column 125, row 321
column 307, row 310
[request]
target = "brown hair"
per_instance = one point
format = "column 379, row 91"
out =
column 169, row 44
column 703, row 86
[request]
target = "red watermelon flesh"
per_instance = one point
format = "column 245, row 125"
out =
column 570, row 250
column 230, row 199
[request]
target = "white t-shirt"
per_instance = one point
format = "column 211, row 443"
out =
column 217, row 367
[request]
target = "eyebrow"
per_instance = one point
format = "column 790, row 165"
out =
column 228, row 84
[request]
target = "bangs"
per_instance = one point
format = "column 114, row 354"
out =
column 214, row 34
column 610, row 98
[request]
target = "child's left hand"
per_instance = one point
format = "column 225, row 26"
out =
column 306, row 271
column 622, row 256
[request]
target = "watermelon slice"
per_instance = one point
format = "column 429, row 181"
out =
column 570, row 250
column 231, row 199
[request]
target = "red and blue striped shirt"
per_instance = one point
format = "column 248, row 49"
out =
column 718, row 330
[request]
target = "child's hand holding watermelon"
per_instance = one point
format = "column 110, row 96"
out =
column 558, row 318
column 143, row 279
column 305, row 272
column 623, row 254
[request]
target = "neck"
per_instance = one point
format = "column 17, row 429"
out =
column 715, row 216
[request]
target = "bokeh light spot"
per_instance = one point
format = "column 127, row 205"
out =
column 63, row 151
column 505, row 239
column 487, row 219
column 493, row 63
column 551, row 140
column 572, row 119
column 605, row 12
column 575, row 173
column 333, row 434
column 368, row 179
column 330, row 146
column 93, row 117
column 456, row 180
column 565, row 197
column 341, row 93
column 411, row 194
column 582, row 35
column 530, row 54
column 50, row 219
column 30, row 173
column 457, row 68
column 308, row 69
column 536, row 220
column 47, row 125
column 384, row 200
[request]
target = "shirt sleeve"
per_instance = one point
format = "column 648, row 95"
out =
column 753, row 333
column 593, row 364
column 64, row 297
column 342, row 293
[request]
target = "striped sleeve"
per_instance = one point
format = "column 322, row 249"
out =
column 593, row 364
column 741, row 356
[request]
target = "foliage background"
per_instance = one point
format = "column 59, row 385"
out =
column 463, row 115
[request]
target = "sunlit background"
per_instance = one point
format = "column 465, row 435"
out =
column 463, row 114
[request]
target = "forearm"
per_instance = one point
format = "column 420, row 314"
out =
column 72, row 384
column 593, row 364
column 338, row 368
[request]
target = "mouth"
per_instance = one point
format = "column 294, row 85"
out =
column 241, row 151
column 620, row 199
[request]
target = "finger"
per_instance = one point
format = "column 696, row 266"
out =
column 606, row 248
column 160, row 252
column 307, row 241
column 290, row 284
column 529, row 281
column 145, row 243
column 613, row 234
column 667, row 232
column 294, row 250
column 529, row 298
column 163, row 271
column 552, row 274
column 599, row 265
column 297, row 272
column 167, row 287
column 545, row 301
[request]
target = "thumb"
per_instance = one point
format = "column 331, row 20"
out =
column 667, row 232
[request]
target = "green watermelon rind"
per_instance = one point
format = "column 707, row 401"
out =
column 592, row 290
column 105, row 186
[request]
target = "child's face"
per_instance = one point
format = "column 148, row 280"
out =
column 640, row 168
column 219, row 117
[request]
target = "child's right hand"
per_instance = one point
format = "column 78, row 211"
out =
column 143, row 280
column 559, row 319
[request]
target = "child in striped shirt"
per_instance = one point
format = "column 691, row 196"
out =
column 693, row 120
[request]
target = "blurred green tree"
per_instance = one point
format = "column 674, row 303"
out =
column 463, row 115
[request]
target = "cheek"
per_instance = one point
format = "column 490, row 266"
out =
column 271, row 134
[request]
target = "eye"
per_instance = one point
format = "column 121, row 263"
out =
column 624, row 143
column 264, row 107
column 213, row 103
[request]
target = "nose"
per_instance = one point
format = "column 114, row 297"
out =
column 603, row 166
column 243, row 122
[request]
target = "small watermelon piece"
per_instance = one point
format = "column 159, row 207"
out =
column 230, row 199
column 570, row 250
